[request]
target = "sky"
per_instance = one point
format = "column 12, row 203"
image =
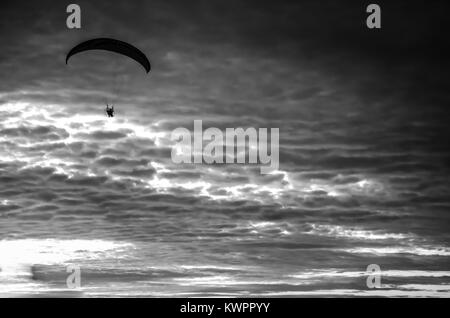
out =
column 363, row 117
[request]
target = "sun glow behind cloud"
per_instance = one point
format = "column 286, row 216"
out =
column 79, row 130
column 62, row 129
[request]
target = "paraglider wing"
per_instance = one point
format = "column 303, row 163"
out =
column 112, row 45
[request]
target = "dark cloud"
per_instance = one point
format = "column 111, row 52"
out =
column 101, row 135
column 40, row 133
column 110, row 161
column 142, row 173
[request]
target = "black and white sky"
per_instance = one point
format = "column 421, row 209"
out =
column 363, row 117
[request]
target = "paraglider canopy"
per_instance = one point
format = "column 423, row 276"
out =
column 112, row 45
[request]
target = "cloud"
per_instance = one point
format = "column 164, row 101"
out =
column 39, row 133
column 102, row 135
column 109, row 161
